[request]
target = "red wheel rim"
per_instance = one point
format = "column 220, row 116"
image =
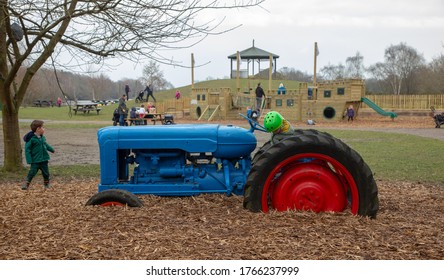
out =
column 310, row 181
column 112, row 203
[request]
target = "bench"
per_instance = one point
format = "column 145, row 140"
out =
column 143, row 121
column 42, row 103
column 136, row 121
column 154, row 118
column 86, row 110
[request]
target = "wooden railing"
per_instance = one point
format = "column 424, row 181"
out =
column 407, row 102
column 178, row 106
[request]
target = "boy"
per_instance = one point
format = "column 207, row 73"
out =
column 276, row 124
column 36, row 152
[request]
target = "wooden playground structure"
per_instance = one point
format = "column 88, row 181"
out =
column 320, row 101
column 326, row 101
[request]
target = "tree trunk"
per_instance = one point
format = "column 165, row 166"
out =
column 11, row 140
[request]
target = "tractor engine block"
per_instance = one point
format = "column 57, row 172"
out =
column 167, row 171
column 175, row 160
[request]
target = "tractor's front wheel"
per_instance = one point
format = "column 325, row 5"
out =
column 115, row 197
column 311, row 171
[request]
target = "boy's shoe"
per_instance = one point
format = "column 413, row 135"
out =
column 47, row 185
column 25, row 186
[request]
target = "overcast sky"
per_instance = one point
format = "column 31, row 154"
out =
column 289, row 29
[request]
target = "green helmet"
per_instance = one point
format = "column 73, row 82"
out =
column 272, row 121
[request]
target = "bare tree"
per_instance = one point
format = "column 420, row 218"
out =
column 88, row 31
column 100, row 84
column 436, row 74
column 380, row 73
column 152, row 75
column 296, row 75
column 354, row 66
column 333, row 72
column 400, row 68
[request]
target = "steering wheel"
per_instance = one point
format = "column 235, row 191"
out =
column 254, row 125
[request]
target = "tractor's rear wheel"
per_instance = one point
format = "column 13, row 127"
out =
column 279, row 137
column 262, row 150
column 115, row 197
column 311, row 171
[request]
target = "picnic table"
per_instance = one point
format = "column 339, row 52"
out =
column 86, row 107
column 42, row 103
column 155, row 117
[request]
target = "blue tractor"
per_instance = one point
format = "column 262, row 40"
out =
column 308, row 170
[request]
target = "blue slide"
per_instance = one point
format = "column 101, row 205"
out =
column 378, row 109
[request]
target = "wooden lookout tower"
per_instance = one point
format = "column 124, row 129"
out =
column 252, row 55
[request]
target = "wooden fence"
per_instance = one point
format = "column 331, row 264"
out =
column 180, row 107
column 407, row 102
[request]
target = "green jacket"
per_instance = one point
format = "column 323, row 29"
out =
column 36, row 149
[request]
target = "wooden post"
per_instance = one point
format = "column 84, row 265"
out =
column 238, row 72
column 316, row 53
column 192, row 71
column 270, row 73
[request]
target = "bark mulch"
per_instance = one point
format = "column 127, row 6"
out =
column 54, row 224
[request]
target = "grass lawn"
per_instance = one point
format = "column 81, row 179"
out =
column 395, row 156
column 63, row 113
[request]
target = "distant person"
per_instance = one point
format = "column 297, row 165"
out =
column 281, row 89
column 142, row 112
column 151, row 108
column 149, row 92
column 310, row 94
column 116, row 116
column 133, row 113
column 177, row 94
column 350, row 113
column 59, row 102
column 36, row 152
column 140, row 96
column 249, row 112
column 123, row 110
column 127, row 90
column 133, row 116
column 260, row 94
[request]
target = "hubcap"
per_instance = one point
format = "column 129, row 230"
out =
column 308, row 187
column 313, row 182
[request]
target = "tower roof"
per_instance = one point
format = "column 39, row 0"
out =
column 253, row 53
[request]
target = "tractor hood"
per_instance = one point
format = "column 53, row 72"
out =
column 223, row 141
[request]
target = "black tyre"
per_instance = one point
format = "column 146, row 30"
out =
column 115, row 197
column 278, row 138
column 262, row 150
column 310, row 171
